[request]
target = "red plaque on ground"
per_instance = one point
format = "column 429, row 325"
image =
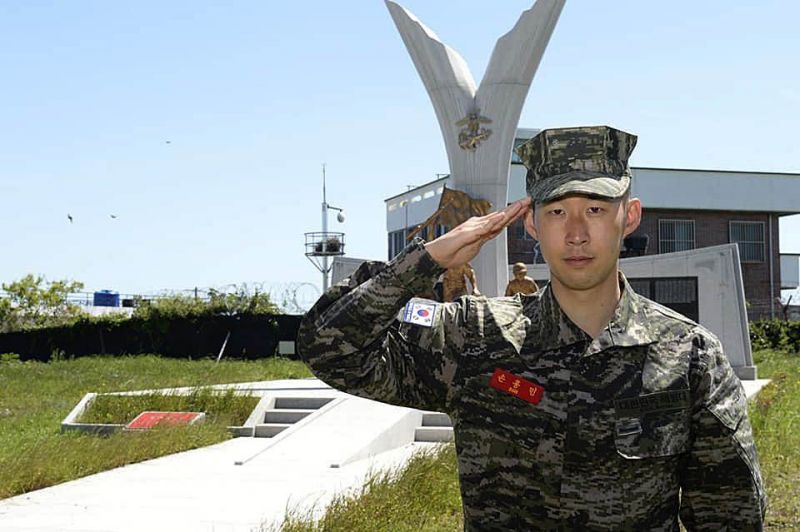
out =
column 148, row 420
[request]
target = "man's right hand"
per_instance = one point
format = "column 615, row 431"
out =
column 462, row 244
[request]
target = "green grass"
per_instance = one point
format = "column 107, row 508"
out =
column 35, row 397
column 222, row 407
column 424, row 496
column 775, row 415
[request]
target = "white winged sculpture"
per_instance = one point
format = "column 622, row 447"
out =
column 479, row 123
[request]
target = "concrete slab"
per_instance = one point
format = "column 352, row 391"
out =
column 751, row 388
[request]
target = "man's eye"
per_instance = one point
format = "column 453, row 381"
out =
column 596, row 210
column 556, row 212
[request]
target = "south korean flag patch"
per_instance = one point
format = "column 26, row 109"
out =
column 420, row 313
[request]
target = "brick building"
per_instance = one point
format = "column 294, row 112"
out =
column 683, row 209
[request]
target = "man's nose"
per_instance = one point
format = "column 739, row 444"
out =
column 577, row 231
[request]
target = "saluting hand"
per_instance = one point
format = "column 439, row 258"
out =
column 460, row 245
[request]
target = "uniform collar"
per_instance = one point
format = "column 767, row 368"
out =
column 627, row 326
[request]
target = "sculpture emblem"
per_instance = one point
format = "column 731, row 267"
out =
column 464, row 108
column 473, row 134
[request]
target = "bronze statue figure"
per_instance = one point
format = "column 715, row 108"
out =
column 521, row 283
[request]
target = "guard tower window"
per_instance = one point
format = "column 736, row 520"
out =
column 675, row 235
column 750, row 238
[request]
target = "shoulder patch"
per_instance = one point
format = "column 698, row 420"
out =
column 420, row 312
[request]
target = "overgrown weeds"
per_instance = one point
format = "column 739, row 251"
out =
column 422, row 496
column 775, row 416
column 223, row 407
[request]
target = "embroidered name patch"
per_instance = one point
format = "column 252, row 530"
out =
column 420, row 313
column 652, row 402
column 517, row 386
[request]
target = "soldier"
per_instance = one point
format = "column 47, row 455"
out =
column 521, row 283
column 455, row 282
column 583, row 406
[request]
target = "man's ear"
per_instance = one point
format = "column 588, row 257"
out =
column 633, row 216
column 529, row 225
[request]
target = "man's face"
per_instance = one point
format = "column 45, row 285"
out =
column 580, row 237
column 519, row 273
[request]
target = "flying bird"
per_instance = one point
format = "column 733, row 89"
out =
column 114, row 216
column 70, row 217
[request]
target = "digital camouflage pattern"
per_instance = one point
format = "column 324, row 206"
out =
column 584, row 160
column 628, row 421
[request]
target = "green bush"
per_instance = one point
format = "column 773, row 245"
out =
column 238, row 302
column 9, row 357
column 775, row 334
column 33, row 302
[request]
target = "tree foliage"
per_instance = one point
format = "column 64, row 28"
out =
column 33, row 302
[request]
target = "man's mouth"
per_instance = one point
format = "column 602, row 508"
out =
column 578, row 260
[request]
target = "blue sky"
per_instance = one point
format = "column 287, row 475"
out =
column 203, row 125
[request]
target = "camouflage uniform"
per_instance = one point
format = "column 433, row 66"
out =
column 554, row 430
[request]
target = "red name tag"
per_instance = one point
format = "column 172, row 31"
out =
column 516, row 386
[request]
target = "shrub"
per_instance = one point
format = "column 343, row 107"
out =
column 775, row 334
column 33, row 302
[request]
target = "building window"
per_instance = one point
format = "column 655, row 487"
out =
column 675, row 235
column 750, row 238
column 677, row 293
column 440, row 230
column 397, row 241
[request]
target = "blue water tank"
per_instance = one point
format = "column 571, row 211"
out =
column 106, row 298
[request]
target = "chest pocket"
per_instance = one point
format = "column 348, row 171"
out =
column 510, row 426
column 652, row 426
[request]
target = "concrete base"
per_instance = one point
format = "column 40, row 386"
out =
column 746, row 373
column 752, row 387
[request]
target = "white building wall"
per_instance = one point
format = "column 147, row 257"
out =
column 661, row 188
column 790, row 271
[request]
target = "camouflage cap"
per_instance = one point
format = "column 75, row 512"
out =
column 577, row 160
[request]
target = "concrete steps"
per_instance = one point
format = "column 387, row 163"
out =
column 301, row 403
column 285, row 412
column 436, row 427
column 286, row 415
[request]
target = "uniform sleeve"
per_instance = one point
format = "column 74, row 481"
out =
column 721, row 480
column 353, row 340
